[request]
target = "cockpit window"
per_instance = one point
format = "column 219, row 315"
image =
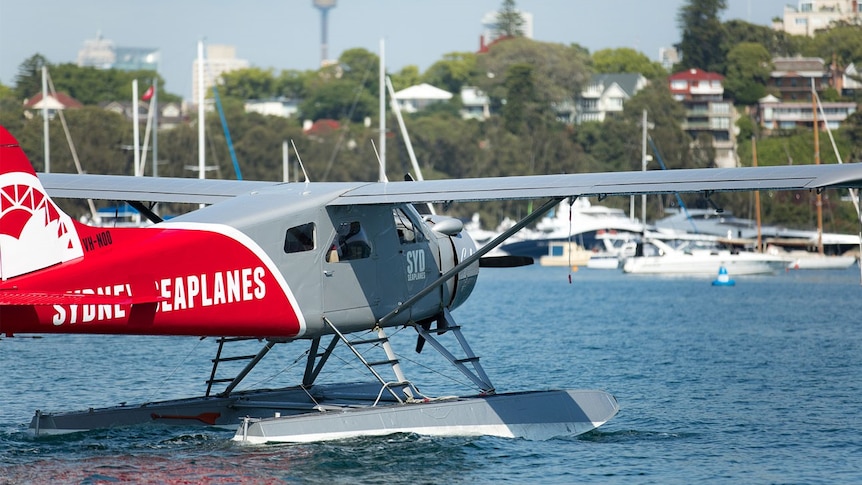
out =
column 299, row 238
column 350, row 242
column 407, row 231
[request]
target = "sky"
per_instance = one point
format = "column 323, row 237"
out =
column 286, row 34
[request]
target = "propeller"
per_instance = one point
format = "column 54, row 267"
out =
column 507, row 261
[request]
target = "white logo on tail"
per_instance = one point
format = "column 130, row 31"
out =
column 34, row 233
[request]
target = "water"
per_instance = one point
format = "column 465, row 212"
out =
column 757, row 383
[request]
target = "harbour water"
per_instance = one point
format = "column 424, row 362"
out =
column 756, row 383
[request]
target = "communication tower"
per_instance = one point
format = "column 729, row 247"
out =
column 324, row 6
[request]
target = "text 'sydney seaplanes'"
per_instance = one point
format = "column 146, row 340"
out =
column 333, row 265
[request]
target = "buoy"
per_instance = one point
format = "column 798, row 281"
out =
column 723, row 278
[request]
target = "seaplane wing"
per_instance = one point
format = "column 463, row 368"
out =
column 162, row 189
column 796, row 177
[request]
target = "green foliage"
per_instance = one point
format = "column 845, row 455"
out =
column 28, row 81
column 509, row 21
column 339, row 99
column 86, row 84
column 747, row 128
column 451, row 73
column 406, row 77
column 703, row 35
column 6, row 92
column 559, row 72
column 748, row 69
column 250, row 83
column 778, row 43
column 843, row 41
column 625, row 59
column 520, row 96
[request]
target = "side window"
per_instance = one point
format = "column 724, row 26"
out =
column 350, row 242
column 407, row 232
column 299, row 238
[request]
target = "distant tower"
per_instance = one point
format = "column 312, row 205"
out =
column 324, row 6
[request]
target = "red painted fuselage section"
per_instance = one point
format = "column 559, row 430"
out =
column 202, row 280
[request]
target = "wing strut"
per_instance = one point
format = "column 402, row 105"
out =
column 541, row 211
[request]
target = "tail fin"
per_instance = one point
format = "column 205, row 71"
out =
column 34, row 232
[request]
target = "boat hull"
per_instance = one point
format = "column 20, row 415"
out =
column 682, row 265
column 822, row 262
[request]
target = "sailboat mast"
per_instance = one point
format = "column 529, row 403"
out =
column 819, row 202
column 759, row 246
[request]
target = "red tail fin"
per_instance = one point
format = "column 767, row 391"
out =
column 34, row 232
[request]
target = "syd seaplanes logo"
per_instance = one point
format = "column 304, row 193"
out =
column 34, row 233
column 415, row 264
column 177, row 294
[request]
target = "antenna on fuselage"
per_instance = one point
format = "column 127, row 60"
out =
column 379, row 163
column 299, row 159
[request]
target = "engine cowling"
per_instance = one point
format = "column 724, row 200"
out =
column 455, row 245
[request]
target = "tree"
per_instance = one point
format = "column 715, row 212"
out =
column 294, row 84
column 6, row 92
column 362, row 67
column 451, row 73
column 612, row 61
column 28, row 81
column 777, row 42
column 250, row 83
column 703, row 35
column 520, row 106
column 748, row 69
column 339, row 99
column 509, row 21
column 559, row 71
column 406, row 77
column 86, row 84
column 843, row 41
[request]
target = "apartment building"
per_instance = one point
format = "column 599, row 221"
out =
column 809, row 16
column 706, row 111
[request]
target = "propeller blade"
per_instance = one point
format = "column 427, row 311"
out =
column 505, row 261
column 420, row 340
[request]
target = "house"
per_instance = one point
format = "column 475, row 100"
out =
column 775, row 114
column 319, row 129
column 170, row 114
column 707, row 112
column 850, row 81
column 416, row 98
column 281, row 106
column 792, row 77
column 475, row 104
column 53, row 103
column 606, row 93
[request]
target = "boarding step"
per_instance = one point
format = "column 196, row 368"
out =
column 250, row 360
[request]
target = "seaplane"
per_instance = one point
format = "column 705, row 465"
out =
column 322, row 265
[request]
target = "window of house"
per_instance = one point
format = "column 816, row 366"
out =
column 678, row 84
column 719, row 123
column 350, row 242
column 299, row 238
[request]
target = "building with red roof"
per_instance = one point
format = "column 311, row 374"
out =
column 706, row 111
